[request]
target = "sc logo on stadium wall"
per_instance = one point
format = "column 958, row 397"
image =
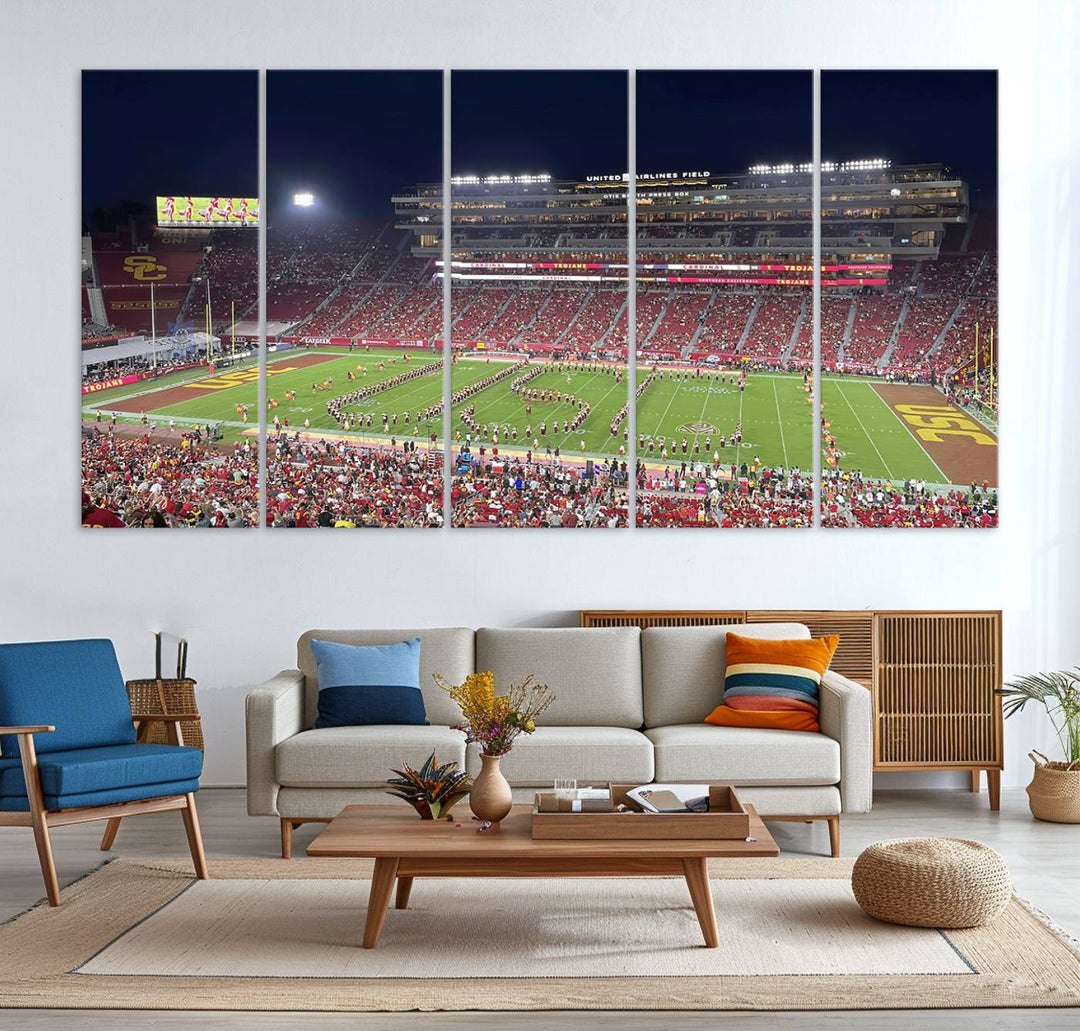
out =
column 144, row 267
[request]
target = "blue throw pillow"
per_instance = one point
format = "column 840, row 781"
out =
column 360, row 685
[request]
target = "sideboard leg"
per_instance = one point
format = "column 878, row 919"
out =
column 993, row 786
column 975, row 781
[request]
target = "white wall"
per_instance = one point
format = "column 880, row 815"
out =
column 242, row 597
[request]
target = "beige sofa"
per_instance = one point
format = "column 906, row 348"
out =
column 629, row 707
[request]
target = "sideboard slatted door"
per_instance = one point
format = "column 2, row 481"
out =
column 644, row 618
column 935, row 699
column 854, row 656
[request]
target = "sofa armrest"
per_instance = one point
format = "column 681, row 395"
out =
column 846, row 716
column 274, row 711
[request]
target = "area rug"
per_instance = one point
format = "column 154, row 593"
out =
column 268, row 934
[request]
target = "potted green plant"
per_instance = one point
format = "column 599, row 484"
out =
column 432, row 790
column 1054, row 792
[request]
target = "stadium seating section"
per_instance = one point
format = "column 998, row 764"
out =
column 361, row 280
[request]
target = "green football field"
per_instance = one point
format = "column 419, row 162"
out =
column 870, row 436
column 774, row 411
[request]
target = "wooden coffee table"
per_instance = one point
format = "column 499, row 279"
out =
column 405, row 847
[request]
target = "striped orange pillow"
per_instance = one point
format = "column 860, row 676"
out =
column 773, row 684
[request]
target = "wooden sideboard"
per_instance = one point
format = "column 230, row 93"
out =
column 934, row 676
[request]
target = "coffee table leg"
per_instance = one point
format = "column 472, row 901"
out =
column 404, row 887
column 697, row 880
column 382, row 885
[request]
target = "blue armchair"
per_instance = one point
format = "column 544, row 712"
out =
column 68, row 749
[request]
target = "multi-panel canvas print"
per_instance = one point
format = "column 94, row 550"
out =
column 459, row 306
column 724, row 299
column 910, row 355
column 538, row 278
column 354, row 388
column 169, row 292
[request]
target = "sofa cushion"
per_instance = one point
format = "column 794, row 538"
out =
column 818, row 800
column 362, row 756
column 773, row 684
column 74, row 685
column 683, row 667
column 590, row 755
column 743, row 755
column 364, row 684
column 448, row 651
column 594, row 673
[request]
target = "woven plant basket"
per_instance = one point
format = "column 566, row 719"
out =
column 160, row 697
column 932, row 882
column 1054, row 791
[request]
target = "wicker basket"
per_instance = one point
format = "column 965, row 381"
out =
column 160, row 697
column 932, row 882
column 1054, row 791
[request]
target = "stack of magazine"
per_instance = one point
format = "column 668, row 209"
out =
column 650, row 798
column 670, row 798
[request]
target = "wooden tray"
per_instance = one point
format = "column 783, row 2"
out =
column 726, row 819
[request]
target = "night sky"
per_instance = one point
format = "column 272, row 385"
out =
column 354, row 138
column 911, row 117
column 351, row 138
column 566, row 123
column 147, row 134
column 723, row 121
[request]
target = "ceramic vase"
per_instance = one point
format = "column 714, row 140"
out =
column 490, row 798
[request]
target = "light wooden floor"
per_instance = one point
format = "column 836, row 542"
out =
column 1043, row 858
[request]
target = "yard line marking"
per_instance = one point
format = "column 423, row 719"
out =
column 738, row 447
column 674, row 394
column 941, row 472
column 600, row 401
column 864, row 429
column 418, row 390
column 705, row 405
column 780, row 422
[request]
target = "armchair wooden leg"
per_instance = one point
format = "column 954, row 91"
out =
column 45, row 857
column 834, row 836
column 109, row 836
column 194, row 836
column 28, row 755
column 286, row 839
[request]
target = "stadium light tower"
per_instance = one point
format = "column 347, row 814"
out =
column 303, row 200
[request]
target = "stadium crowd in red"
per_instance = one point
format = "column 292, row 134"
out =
column 139, row 481
column 698, row 496
column 330, row 483
column 528, row 492
column 847, row 500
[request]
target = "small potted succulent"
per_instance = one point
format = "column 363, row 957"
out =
column 432, row 790
column 1054, row 792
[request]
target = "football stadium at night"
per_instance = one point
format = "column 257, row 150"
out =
column 546, row 427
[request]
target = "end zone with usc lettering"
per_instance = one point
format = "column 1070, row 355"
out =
column 961, row 447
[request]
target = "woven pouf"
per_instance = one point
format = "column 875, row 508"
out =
column 932, row 882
